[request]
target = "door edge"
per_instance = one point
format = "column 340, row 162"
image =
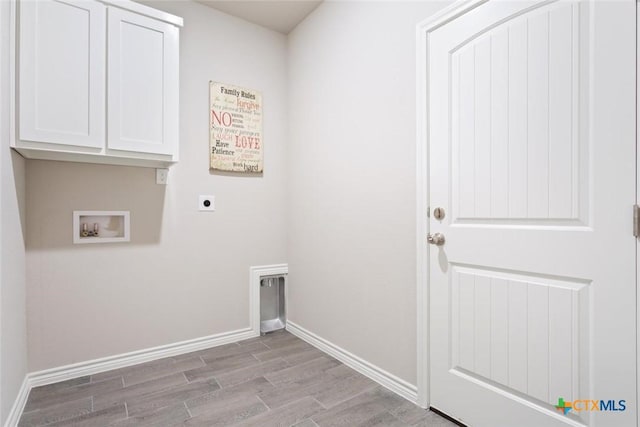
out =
column 423, row 31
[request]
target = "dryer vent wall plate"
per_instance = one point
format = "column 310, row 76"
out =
column 207, row 203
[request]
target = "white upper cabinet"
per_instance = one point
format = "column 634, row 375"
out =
column 97, row 82
column 62, row 72
column 143, row 84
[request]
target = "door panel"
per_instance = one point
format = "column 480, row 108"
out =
column 143, row 84
column 514, row 118
column 62, row 77
column 517, row 331
column 531, row 150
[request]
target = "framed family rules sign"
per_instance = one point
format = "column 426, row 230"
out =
column 235, row 138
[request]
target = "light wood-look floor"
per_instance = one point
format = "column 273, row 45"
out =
column 274, row 380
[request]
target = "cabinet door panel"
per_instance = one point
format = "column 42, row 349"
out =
column 62, row 72
column 143, row 84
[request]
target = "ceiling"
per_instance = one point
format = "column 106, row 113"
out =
column 281, row 16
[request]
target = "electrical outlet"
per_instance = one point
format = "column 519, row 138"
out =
column 162, row 176
column 207, row 203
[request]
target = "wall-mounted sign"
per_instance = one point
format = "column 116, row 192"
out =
column 235, row 140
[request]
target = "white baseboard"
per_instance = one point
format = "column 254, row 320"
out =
column 18, row 405
column 382, row 377
column 96, row 366
column 92, row 367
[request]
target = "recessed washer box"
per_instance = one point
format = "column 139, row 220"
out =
column 101, row 227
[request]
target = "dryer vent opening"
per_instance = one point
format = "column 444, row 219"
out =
column 273, row 315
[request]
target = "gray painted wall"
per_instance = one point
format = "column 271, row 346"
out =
column 351, row 181
column 336, row 201
column 13, row 323
column 185, row 273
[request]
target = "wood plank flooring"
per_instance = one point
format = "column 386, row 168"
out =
column 273, row 380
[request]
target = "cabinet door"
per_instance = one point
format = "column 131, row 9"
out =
column 143, row 84
column 62, row 72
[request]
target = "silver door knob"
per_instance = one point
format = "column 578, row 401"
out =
column 436, row 239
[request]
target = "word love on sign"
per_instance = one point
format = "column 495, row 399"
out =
column 235, row 139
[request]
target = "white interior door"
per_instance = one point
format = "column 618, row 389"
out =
column 532, row 157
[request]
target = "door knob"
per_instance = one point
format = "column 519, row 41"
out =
column 436, row 239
